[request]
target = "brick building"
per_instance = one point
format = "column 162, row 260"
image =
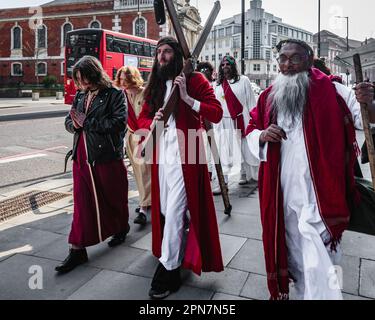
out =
column 29, row 54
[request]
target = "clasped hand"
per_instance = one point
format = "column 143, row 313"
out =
column 78, row 118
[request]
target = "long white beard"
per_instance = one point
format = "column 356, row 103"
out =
column 288, row 96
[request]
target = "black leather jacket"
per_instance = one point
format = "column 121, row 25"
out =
column 104, row 125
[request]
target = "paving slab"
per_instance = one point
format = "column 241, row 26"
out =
column 347, row 296
column 48, row 219
column 255, row 287
column 144, row 266
column 15, row 285
column 116, row 259
column 19, row 237
column 112, row 285
column 56, row 250
column 250, row 258
column 367, row 279
column 230, row 245
column 50, row 185
column 223, row 296
column 350, row 273
column 143, row 243
column 358, row 245
column 229, row 281
column 65, row 203
column 191, row 293
column 242, row 226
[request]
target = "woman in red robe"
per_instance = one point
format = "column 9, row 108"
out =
column 100, row 186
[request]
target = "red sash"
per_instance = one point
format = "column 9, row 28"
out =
column 235, row 107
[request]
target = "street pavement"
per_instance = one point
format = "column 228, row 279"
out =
column 37, row 240
column 25, row 108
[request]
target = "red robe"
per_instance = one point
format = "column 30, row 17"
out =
column 331, row 148
column 110, row 186
column 202, row 252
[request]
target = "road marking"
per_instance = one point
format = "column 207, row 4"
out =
column 29, row 155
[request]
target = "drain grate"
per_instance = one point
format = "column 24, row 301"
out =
column 25, row 202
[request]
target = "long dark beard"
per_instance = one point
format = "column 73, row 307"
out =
column 167, row 72
column 288, row 96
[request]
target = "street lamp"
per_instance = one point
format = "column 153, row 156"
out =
column 215, row 46
column 243, row 37
column 347, row 44
column 347, row 30
column 319, row 45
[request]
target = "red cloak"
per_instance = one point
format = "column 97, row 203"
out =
column 109, row 187
column 331, row 149
column 202, row 252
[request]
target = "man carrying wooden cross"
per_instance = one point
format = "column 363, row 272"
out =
column 184, row 226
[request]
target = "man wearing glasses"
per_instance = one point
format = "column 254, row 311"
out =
column 237, row 99
column 303, row 133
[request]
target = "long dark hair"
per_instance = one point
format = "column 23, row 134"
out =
column 207, row 69
column 156, row 87
column 235, row 76
column 92, row 71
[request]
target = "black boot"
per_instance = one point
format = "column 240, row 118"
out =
column 74, row 259
column 164, row 282
column 118, row 238
column 140, row 219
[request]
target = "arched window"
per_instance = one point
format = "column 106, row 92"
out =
column 41, row 69
column 95, row 24
column 42, row 37
column 16, row 38
column 67, row 26
column 16, row 69
column 140, row 27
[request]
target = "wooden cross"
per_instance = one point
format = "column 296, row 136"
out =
column 172, row 101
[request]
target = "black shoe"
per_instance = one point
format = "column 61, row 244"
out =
column 140, row 219
column 164, row 282
column 138, row 209
column 118, row 238
column 74, row 259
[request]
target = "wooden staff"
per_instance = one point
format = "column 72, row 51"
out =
column 365, row 119
column 219, row 169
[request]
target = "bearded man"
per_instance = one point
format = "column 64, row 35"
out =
column 237, row 99
column 184, row 226
column 303, row 132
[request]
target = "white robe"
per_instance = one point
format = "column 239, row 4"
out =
column 173, row 200
column 310, row 262
column 233, row 150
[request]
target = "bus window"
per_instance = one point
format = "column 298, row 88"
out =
column 121, row 45
column 153, row 50
column 109, row 41
column 136, row 48
column 79, row 45
column 147, row 49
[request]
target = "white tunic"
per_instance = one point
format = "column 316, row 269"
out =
column 233, row 149
column 173, row 200
column 310, row 262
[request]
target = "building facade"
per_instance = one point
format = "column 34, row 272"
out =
column 331, row 46
column 33, row 39
column 367, row 53
column 263, row 31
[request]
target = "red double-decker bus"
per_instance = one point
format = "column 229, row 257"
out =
column 113, row 49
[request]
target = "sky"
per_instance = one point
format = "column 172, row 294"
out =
column 300, row 13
